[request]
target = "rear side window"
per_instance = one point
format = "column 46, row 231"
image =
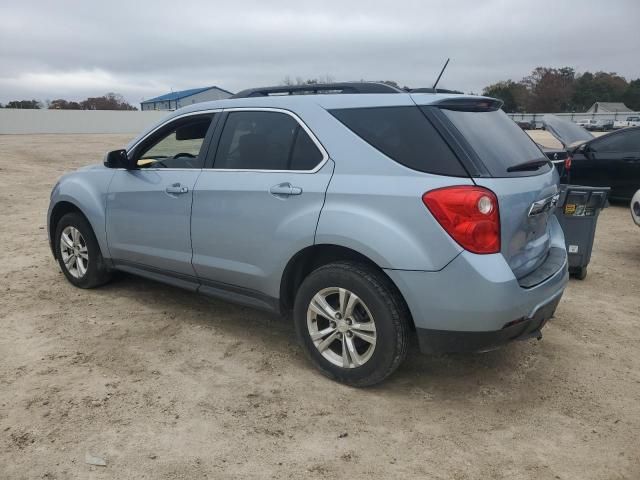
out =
column 405, row 135
column 260, row 140
column 625, row 141
column 304, row 154
column 497, row 141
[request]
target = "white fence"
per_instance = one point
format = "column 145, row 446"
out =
column 574, row 117
column 16, row 121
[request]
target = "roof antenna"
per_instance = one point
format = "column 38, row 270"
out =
column 441, row 72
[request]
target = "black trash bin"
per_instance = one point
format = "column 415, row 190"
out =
column 577, row 211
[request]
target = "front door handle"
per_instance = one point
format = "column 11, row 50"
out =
column 631, row 159
column 177, row 189
column 285, row 189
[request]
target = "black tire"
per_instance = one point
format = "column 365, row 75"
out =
column 384, row 302
column 579, row 273
column 97, row 272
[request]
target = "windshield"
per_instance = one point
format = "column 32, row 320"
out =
column 565, row 131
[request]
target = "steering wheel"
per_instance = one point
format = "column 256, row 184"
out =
column 184, row 154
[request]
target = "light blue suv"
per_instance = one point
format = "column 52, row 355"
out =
column 369, row 213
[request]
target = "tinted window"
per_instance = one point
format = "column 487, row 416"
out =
column 625, row 141
column 497, row 141
column 178, row 145
column 265, row 141
column 305, row 155
column 405, row 135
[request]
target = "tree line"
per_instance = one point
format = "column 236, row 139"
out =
column 563, row 90
column 109, row 101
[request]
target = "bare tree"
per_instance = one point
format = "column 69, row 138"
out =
column 307, row 81
column 110, row 101
column 26, row 104
column 61, row 104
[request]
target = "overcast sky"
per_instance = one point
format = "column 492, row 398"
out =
column 75, row 49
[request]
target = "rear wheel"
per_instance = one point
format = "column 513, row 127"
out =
column 78, row 252
column 352, row 323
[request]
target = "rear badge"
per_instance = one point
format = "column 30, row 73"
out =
column 544, row 205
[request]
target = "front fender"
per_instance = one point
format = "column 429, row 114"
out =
column 87, row 191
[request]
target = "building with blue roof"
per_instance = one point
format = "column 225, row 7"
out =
column 175, row 100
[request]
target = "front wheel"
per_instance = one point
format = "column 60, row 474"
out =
column 352, row 323
column 78, row 252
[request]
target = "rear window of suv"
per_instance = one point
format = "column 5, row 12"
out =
column 405, row 135
column 497, row 140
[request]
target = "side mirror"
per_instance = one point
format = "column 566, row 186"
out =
column 586, row 151
column 582, row 148
column 117, row 159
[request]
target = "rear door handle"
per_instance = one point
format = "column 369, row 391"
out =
column 177, row 189
column 285, row 189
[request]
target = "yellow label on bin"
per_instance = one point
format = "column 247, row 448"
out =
column 570, row 209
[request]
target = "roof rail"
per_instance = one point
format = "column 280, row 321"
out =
column 433, row 90
column 317, row 88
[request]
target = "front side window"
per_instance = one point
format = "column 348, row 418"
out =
column 261, row 140
column 179, row 145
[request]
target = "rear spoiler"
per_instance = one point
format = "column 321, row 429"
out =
column 470, row 104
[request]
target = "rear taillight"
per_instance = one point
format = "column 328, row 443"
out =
column 567, row 163
column 469, row 214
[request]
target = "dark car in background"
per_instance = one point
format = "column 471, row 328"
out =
column 611, row 160
column 558, row 156
column 524, row 125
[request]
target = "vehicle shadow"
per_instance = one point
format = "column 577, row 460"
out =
column 420, row 374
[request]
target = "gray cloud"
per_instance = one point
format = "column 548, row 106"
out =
column 73, row 49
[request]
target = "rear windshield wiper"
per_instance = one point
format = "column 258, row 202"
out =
column 529, row 165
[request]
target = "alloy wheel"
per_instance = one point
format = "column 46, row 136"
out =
column 73, row 249
column 341, row 327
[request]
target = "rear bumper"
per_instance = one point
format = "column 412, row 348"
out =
column 442, row 341
column 476, row 303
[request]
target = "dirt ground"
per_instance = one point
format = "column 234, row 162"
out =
column 164, row 384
